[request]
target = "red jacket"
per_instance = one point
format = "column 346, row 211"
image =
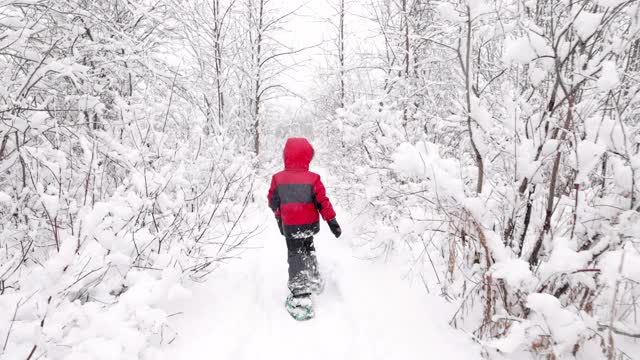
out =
column 297, row 195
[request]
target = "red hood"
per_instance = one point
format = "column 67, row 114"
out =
column 298, row 153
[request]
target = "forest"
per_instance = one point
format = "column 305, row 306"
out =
column 488, row 150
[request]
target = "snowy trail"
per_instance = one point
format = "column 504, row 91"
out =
column 366, row 312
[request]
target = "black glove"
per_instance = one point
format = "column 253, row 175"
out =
column 279, row 220
column 335, row 228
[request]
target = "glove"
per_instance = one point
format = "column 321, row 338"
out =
column 279, row 220
column 335, row 228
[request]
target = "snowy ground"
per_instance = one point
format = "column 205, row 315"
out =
column 366, row 312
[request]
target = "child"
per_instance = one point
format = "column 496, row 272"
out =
column 296, row 197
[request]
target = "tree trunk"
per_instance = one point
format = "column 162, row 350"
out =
column 405, row 117
column 533, row 259
column 218, row 60
column 467, row 80
column 257, row 80
column 341, row 52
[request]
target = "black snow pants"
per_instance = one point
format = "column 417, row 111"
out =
column 304, row 276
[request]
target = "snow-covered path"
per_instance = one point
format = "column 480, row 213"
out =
column 366, row 312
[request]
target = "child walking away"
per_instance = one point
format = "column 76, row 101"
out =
column 297, row 198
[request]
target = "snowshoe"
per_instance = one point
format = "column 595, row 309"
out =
column 300, row 307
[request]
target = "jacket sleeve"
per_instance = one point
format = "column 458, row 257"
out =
column 322, row 201
column 274, row 197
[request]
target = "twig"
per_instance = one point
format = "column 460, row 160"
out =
column 13, row 319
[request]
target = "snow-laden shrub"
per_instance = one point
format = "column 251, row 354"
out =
column 574, row 297
column 112, row 194
column 578, row 296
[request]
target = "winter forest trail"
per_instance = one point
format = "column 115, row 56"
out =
column 367, row 310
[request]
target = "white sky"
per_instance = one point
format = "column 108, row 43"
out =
column 311, row 25
column 306, row 28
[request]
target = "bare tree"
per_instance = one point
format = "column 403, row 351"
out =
column 341, row 39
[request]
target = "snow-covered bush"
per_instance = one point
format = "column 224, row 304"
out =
column 111, row 193
column 516, row 161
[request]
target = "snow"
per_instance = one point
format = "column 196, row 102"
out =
column 587, row 23
column 609, row 78
column 611, row 265
column 609, row 3
column 518, row 51
column 515, row 272
column 480, row 114
column 5, row 198
column 37, row 120
column 622, row 175
column 106, row 226
column 536, row 75
column 409, row 161
column 567, row 328
column 604, row 130
column 549, row 147
column 524, row 49
column 50, row 203
column 589, row 155
column 479, row 8
column 564, row 259
column 514, row 339
column 178, row 292
column 422, row 161
column 525, row 154
column 448, row 12
column 367, row 311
